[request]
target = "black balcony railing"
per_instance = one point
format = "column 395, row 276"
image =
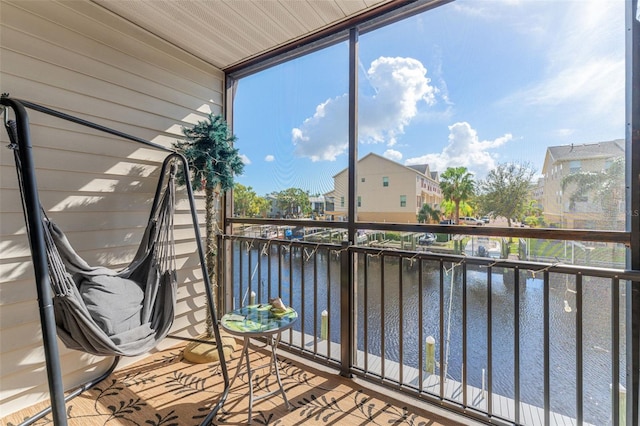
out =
column 501, row 340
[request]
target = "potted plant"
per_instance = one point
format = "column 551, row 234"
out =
column 213, row 163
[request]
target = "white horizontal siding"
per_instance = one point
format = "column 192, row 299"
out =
column 80, row 59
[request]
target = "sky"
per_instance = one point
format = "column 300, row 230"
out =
column 471, row 83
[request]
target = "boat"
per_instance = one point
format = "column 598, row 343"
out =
column 483, row 247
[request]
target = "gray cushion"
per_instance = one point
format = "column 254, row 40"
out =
column 114, row 303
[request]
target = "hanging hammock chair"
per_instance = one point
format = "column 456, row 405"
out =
column 104, row 312
column 96, row 309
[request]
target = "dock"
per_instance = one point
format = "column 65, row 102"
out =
column 502, row 407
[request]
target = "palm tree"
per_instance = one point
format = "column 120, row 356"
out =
column 457, row 185
column 213, row 162
column 606, row 185
column 429, row 214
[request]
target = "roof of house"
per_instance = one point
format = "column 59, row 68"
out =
column 422, row 169
column 570, row 152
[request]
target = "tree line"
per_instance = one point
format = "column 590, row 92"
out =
column 291, row 202
column 505, row 192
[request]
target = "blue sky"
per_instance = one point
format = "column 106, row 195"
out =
column 472, row 83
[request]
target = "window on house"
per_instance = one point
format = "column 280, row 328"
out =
column 575, row 166
column 385, row 181
column 341, row 201
column 359, row 201
column 403, row 201
column 362, row 180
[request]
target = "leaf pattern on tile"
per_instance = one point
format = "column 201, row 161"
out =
column 153, row 392
column 371, row 411
column 112, row 389
column 171, row 358
column 403, row 417
column 139, row 378
column 320, row 409
column 164, row 421
column 291, row 372
column 367, row 409
column 261, row 419
column 185, row 384
column 202, row 412
column 125, row 408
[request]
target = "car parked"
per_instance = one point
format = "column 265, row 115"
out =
column 465, row 220
column 427, row 239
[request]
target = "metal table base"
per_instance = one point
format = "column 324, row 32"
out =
column 272, row 340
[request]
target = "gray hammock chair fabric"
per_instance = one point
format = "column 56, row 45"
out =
column 104, row 312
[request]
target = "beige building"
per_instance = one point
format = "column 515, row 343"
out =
column 387, row 191
column 561, row 161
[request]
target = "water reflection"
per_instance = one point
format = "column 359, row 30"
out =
column 393, row 326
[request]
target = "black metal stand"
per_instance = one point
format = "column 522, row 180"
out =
column 84, row 387
column 38, row 253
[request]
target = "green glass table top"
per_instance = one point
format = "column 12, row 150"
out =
column 257, row 319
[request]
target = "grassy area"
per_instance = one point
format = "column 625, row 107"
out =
column 580, row 254
column 608, row 255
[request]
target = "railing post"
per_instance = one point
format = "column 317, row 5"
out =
column 346, row 308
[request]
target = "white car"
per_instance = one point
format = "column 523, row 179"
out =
column 464, row 220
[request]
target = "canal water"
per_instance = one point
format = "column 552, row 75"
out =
column 393, row 316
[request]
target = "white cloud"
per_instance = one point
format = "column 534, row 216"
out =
column 324, row 135
column 400, row 86
column 598, row 85
column 269, row 158
column 584, row 68
column 584, row 48
column 463, row 149
column 564, row 133
column 476, row 10
column 245, row 159
column 392, row 154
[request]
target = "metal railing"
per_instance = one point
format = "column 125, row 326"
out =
column 500, row 340
column 266, row 268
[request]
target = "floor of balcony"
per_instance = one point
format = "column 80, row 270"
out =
column 164, row 389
